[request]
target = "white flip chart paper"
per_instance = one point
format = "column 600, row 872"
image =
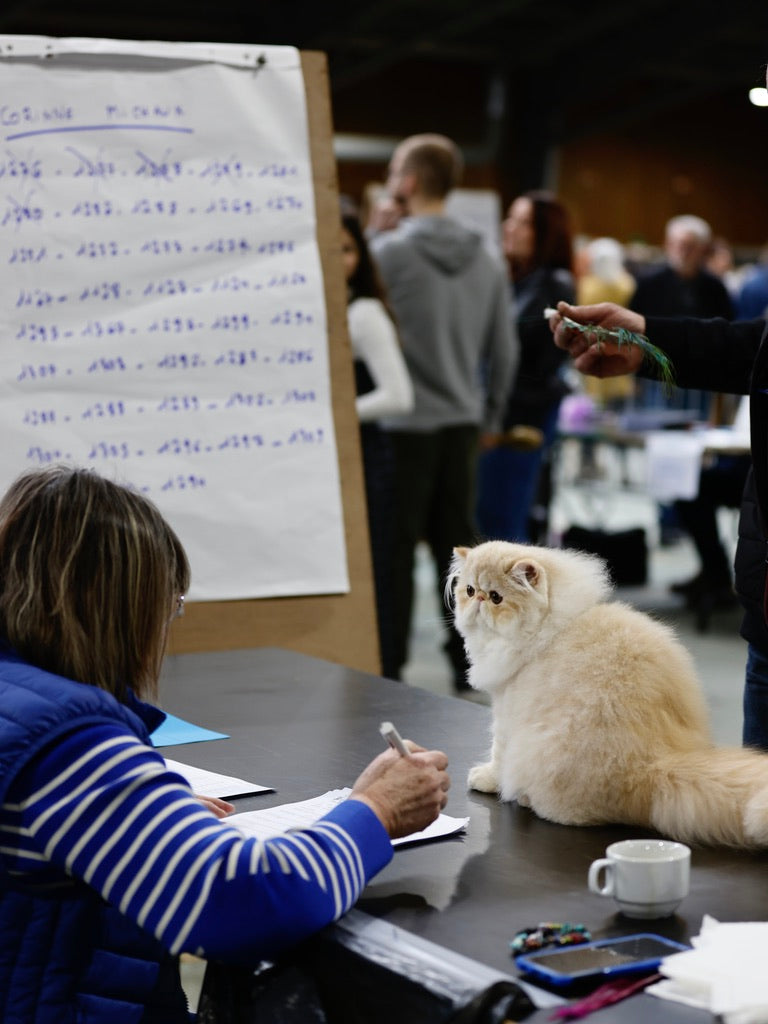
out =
column 162, row 312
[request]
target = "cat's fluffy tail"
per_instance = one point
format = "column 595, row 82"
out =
column 716, row 797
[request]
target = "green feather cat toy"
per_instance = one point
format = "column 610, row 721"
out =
column 623, row 337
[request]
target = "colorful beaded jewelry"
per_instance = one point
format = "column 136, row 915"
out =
column 548, row 933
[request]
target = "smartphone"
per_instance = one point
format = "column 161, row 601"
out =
column 629, row 954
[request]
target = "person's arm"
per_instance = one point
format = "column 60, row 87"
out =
column 715, row 355
column 374, row 340
column 597, row 359
column 102, row 807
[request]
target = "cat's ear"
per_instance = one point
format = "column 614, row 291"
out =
column 458, row 560
column 529, row 574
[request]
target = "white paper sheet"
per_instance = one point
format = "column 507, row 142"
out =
column 205, row 783
column 674, row 458
column 724, row 972
column 673, row 464
column 274, row 820
column 162, row 305
column 725, row 439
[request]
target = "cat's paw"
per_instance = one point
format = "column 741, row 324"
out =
column 483, row 778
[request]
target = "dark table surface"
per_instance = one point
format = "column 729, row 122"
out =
column 305, row 726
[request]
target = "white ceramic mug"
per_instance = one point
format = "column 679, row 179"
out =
column 647, row 877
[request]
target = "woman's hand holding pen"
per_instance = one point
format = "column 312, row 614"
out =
column 406, row 792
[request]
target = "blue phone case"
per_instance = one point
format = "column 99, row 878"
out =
column 625, row 954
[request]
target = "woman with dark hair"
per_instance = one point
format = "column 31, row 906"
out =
column 514, row 474
column 383, row 389
column 110, row 867
column 383, row 384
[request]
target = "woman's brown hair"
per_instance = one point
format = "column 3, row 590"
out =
column 552, row 234
column 90, row 577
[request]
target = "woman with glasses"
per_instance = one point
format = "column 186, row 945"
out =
column 110, row 867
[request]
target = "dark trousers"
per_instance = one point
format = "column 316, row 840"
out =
column 508, row 484
column 755, row 729
column 720, row 484
column 379, row 467
column 434, row 502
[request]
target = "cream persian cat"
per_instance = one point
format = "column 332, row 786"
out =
column 598, row 715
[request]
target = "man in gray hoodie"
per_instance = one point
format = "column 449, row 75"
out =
column 449, row 297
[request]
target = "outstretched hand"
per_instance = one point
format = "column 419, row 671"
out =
column 221, row 808
column 598, row 358
column 406, row 793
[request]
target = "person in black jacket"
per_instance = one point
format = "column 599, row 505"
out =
column 716, row 355
column 682, row 285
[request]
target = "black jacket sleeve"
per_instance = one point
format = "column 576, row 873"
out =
column 714, row 355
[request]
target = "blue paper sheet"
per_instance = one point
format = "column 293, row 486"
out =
column 175, row 730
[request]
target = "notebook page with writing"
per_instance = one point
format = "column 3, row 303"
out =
column 273, row 820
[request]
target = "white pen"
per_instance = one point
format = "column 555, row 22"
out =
column 393, row 738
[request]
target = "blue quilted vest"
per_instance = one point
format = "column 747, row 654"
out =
column 67, row 957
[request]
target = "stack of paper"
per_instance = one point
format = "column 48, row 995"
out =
column 724, row 972
column 205, row 783
column 274, row 820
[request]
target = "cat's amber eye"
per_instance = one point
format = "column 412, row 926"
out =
column 495, row 596
column 470, row 590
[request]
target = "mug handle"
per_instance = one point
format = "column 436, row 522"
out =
column 593, row 879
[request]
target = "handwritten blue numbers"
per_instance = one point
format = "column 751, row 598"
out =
column 163, row 311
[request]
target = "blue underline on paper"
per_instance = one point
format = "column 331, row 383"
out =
column 100, row 128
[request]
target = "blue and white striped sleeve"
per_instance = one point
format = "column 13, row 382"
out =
column 103, row 807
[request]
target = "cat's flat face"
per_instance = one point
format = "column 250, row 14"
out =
column 497, row 587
